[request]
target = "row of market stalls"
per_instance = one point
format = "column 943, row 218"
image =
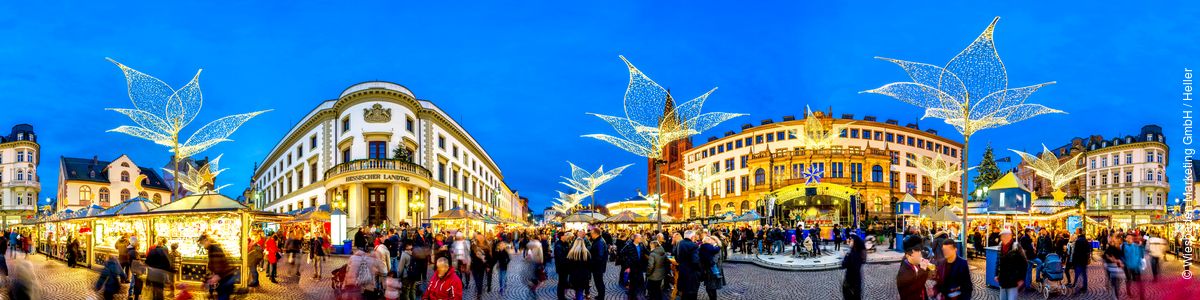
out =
column 580, row 221
column 460, row 219
column 182, row 222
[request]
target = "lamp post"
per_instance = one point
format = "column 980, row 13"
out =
column 337, row 219
column 414, row 206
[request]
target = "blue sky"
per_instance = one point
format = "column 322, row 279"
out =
column 521, row 76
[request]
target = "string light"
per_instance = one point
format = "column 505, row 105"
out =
column 652, row 120
column 814, row 135
column 695, row 181
column 565, row 202
column 939, row 170
column 1048, row 166
column 161, row 112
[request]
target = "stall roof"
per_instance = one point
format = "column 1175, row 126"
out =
column 132, row 206
column 454, row 214
column 202, row 202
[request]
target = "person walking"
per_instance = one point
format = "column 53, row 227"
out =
column 1157, row 247
column 1134, row 252
column 1081, row 256
column 361, row 274
column 223, row 275
column 122, row 248
column 460, row 251
column 500, row 255
column 294, row 242
column 159, row 268
column 109, row 282
column 837, row 237
column 579, row 262
column 635, row 260
column 72, row 252
column 272, row 251
column 658, row 267
column 408, row 273
column 479, row 264
column 913, row 273
column 953, row 275
column 853, row 262
column 537, row 266
column 445, row 285
column 687, row 258
column 254, row 260
column 562, row 266
column 598, row 261
column 316, row 252
column 1011, row 266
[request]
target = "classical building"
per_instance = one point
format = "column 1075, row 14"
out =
column 1126, row 182
column 383, row 156
column 19, row 184
column 868, row 162
column 86, row 181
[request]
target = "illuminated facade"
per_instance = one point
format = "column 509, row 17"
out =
column 387, row 156
column 20, row 155
column 86, row 181
column 868, row 161
column 1126, row 179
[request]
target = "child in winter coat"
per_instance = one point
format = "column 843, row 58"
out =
column 392, row 287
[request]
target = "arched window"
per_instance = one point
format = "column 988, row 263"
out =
column 29, row 197
column 124, row 176
column 692, row 212
column 20, row 174
column 760, row 176
column 125, row 164
column 716, row 208
column 878, row 204
column 124, row 195
column 104, row 195
column 157, row 198
column 745, row 206
column 85, row 193
column 144, row 194
column 877, row 174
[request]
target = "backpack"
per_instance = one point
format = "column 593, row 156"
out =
column 363, row 276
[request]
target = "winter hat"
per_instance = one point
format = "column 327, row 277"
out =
column 913, row 242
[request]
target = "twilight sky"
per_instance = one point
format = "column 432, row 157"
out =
column 519, row 77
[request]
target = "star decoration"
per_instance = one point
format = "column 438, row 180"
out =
column 1058, row 171
column 813, row 174
column 200, row 180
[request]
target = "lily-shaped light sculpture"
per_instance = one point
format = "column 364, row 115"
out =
column 938, row 170
column 202, row 179
column 652, row 119
column 587, row 183
column 566, row 202
column 815, row 136
column 970, row 93
column 161, row 113
column 696, row 181
column 1049, row 166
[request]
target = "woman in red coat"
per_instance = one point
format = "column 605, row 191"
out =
column 445, row 285
column 272, row 257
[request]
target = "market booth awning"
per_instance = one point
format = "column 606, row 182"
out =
column 128, row 207
column 626, row 217
column 579, row 218
column 315, row 214
column 749, row 216
column 90, row 211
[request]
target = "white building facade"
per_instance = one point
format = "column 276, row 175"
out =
column 1126, row 177
column 383, row 156
column 20, row 155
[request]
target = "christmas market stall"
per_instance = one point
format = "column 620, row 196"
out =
column 456, row 219
column 120, row 220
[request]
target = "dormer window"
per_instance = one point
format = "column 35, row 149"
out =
column 124, row 176
column 125, row 164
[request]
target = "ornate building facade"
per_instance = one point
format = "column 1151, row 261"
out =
column 867, row 162
column 83, row 182
column 20, row 155
column 1126, row 182
column 670, row 164
column 383, row 156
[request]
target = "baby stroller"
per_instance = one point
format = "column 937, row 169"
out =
column 1051, row 275
column 339, row 278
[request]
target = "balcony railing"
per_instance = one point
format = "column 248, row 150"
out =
column 377, row 164
column 21, row 183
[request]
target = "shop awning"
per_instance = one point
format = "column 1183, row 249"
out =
column 132, row 206
column 454, row 214
column 579, row 218
column 626, row 217
column 90, row 211
column 201, row 202
column 749, row 216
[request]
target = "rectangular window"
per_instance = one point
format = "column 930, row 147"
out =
column 856, row 172
column 743, row 161
column 758, row 139
column 739, row 144
column 312, row 142
column 729, row 146
column 835, row 170
column 729, row 164
column 408, row 124
column 911, row 141
column 854, row 133
column 779, row 135
column 866, row 134
column 953, row 152
column 346, row 155
column 720, row 148
column 377, row 149
column 749, row 141
column 441, row 174
column 770, row 137
column 745, row 182
column 441, row 142
column 879, row 135
column 729, row 187
column 1129, row 158
column 890, row 137
column 313, row 171
column 716, row 167
column 345, row 125
column 454, row 151
column 899, row 138
column 920, row 143
column 299, row 151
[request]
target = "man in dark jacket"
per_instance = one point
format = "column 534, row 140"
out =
column 1081, row 256
column 218, row 265
column 911, row 277
column 360, row 240
column 598, row 262
column 159, row 262
column 393, row 246
column 255, row 257
column 687, row 256
column 994, row 237
column 953, row 274
column 1010, row 267
column 635, row 258
column 561, row 247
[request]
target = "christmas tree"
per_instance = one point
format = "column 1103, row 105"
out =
column 988, row 172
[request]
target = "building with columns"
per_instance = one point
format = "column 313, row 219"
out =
column 20, row 155
column 867, row 162
column 383, row 156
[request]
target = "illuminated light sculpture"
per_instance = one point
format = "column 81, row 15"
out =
column 813, row 174
column 586, row 184
column 696, row 181
column 970, row 93
column 564, row 203
column 202, row 179
column 161, row 112
column 1058, row 172
column 652, row 120
column 939, row 171
column 815, row 135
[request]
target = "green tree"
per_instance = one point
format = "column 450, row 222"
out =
column 988, row 172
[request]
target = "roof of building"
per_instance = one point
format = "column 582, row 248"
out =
column 1149, row 133
column 20, row 132
column 96, row 170
column 844, row 117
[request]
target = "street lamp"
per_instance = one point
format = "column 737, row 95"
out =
column 337, row 219
column 414, row 206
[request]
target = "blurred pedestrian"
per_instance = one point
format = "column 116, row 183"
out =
column 223, row 276
column 109, row 282
column 1010, row 267
column 158, row 262
column 853, row 263
column 22, row 284
column 953, row 275
column 445, row 285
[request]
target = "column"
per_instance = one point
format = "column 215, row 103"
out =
column 393, row 200
column 402, row 203
column 355, row 206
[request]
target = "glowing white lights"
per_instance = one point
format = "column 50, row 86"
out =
column 161, row 112
column 695, row 181
column 1048, row 166
column 587, row 183
column 200, row 180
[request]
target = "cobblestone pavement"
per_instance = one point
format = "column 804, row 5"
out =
column 745, row 281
